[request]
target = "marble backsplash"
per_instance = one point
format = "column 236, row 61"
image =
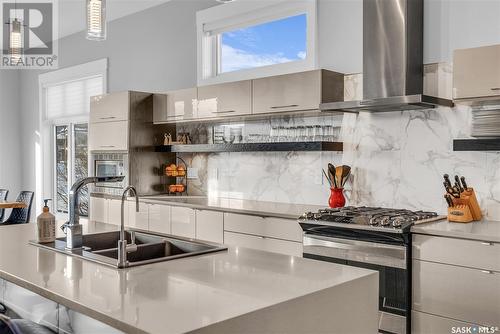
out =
column 397, row 158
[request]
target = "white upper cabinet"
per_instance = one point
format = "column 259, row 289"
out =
column 110, row 107
column 175, row 105
column 297, row 91
column 228, row 99
column 476, row 72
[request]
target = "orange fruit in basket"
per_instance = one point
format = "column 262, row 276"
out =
column 172, row 188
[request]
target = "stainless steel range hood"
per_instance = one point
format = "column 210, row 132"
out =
column 392, row 59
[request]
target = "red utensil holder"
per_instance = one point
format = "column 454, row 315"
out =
column 337, row 199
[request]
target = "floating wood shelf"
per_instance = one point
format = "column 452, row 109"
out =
column 252, row 147
column 476, row 144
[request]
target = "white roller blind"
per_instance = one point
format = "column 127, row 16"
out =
column 72, row 98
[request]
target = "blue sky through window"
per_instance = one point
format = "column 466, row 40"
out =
column 270, row 43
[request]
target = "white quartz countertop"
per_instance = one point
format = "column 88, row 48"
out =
column 242, row 206
column 169, row 297
column 484, row 230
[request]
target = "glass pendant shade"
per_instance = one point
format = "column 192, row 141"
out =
column 16, row 40
column 96, row 20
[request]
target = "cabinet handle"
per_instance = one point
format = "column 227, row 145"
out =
column 487, row 243
column 287, row 106
column 495, row 88
column 110, row 117
column 107, row 146
column 223, row 111
column 488, row 272
column 175, row 116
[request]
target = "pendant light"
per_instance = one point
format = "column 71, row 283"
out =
column 96, row 20
column 16, row 40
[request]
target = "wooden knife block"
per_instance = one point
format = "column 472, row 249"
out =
column 465, row 209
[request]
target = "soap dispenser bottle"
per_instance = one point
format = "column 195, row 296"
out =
column 46, row 223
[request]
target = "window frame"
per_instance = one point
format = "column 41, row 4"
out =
column 213, row 21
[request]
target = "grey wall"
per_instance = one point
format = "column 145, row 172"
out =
column 10, row 133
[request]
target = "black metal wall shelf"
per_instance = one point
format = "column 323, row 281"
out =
column 253, row 147
column 476, row 144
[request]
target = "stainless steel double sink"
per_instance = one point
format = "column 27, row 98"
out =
column 103, row 248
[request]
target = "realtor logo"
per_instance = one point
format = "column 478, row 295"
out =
column 29, row 34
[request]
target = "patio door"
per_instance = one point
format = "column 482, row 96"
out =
column 71, row 165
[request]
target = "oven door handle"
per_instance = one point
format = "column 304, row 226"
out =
column 355, row 250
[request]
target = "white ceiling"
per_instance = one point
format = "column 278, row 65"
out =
column 72, row 12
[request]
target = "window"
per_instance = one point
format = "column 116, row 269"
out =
column 65, row 101
column 71, row 164
column 246, row 40
column 270, row 43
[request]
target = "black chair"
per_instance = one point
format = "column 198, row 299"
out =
column 21, row 326
column 3, row 196
column 21, row 216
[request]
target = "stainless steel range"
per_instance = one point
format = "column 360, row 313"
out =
column 372, row 238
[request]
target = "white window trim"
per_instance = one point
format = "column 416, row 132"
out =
column 244, row 13
column 45, row 179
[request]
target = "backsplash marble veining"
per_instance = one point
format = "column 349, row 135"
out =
column 398, row 158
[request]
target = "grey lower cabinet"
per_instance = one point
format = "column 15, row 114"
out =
column 28, row 305
column 456, row 282
column 265, row 233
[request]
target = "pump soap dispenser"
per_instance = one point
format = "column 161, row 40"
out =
column 46, row 223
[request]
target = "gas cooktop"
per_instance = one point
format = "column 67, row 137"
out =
column 383, row 219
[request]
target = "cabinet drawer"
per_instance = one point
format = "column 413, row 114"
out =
column 109, row 107
column 183, row 222
column 476, row 72
column 159, row 218
column 210, row 226
column 286, row 229
column 109, row 136
column 297, row 91
column 467, row 253
column 228, row 99
column 470, row 295
column 98, row 209
column 263, row 243
column 115, row 212
column 423, row 323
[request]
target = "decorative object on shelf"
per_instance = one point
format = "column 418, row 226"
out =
column 176, row 177
column 310, row 133
column 96, row 20
column 463, row 206
column 182, row 139
column 486, row 122
column 168, row 139
column 337, row 178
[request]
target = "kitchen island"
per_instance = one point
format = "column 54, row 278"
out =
column 234, row 291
